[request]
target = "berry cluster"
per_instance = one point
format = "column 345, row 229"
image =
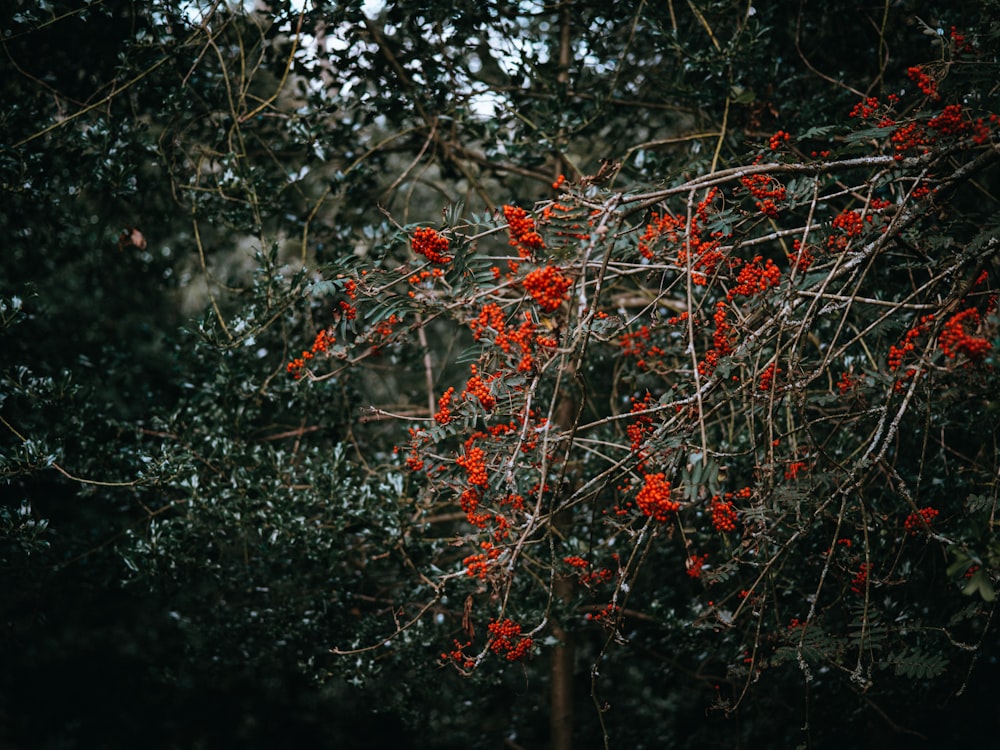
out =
column 694, row 564
column 506, row 640
column 801, row 257
column 323, row 341
column 954, row 340
column 925, row 82
column 443, row 415
column 654, row 498
column 846, row 383
column 705, row 255
column 429, row 243
column 767, row 377
column 548, row 287
column 723, row 515
column 521, row 229
column 474, row 463
column 860, row 579
column 921, row 520
column 775, row 141
column 491, row 318
column 458, row 657
column 637, row 344
column 768, row 192
column 755, row 278
column 850, row 225
column 910, row 137
column 479, row 388
column 907, row 345
column 478, row 566
column 793, row 469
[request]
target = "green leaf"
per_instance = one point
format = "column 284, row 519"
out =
column 980, row 583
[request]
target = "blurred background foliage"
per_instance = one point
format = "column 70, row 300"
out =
column 185, row 531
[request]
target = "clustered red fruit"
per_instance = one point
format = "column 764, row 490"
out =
column 907, row 345
column 521, row 229
column 478, row 566
column 850, row 225
column 694, row 564
column 474, row 463
column 921, row 520
column 846, row 383
column 654, row 498
column 430, row 244
column 767, row 190
column 924, row 81
column 860, row 579
column 767, row 377
column 700, row 253
column 443, row 415
column 723, row 514
column 954, row 340
column 506, row 639
column 479, row 388
column 774, row 143
column 755, row 277
column 642, row 424
column 548, row 287
column 524, row 337
column 323, row 341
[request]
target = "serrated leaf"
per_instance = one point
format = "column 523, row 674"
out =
column 920, row 664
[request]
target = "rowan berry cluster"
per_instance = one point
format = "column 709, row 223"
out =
column 921, row 520
column 443, row 415
column 347, row 310
column 478, row 566
column 721, row 341
column 607, row 616
column 846, row 383
column 924, row 81
column 793, row 469
column 548, row 287
column 767, row 377
column 654, row 498
column 907, row 345
column 801, row 257
column 479, row 388
column 954, row 340
column 637, row 344
column 641, row 425
column 775, row 141
column 323, row 341
column 850, row 224
column 755, row 277
column 491, row 319
column 431, row 244
column 506, row 640
column 474, row 463
column 860, row 580
column 910, row 137
column 521, row 229
column 704, row 254
column 950, row 121
column 723, row 514
column 694, row 564
column 458, row 657
column 767, row 190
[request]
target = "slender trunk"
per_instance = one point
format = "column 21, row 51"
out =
column 561, row 675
